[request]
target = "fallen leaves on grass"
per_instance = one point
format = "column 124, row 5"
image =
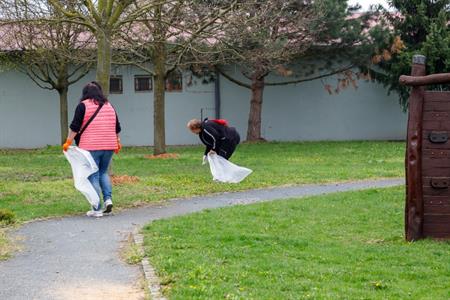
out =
column 124, row 179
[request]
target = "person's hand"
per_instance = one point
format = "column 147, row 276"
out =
column 204, row 160
column 119, row 146
column 66, row 145
column 212, row 152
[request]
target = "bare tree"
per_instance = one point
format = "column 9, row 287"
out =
column 54, row 55
column 157, row 21
column 105, row 19
column 275, row 36
column 166, row 39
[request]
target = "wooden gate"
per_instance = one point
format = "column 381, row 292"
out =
column 427, row 162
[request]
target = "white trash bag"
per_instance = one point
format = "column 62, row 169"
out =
column 83, row 165
column 225, row 171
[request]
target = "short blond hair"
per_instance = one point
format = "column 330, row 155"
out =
column 194, row 124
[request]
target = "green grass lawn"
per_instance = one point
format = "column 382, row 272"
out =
column 339, row 246
column 37, row 183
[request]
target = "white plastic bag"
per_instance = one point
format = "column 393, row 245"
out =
column 83, row 165
column 225, row 171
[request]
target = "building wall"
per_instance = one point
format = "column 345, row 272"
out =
column 29, row 116
column 135, row 110
column 307, row 112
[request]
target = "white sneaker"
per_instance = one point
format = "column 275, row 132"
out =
column 108, row 206
column 94, row 213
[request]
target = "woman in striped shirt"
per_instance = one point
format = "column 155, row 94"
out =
column 100, row 138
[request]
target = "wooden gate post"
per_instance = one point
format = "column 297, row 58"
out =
column 413, row 159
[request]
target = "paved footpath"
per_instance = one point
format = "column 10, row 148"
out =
column 78, row 257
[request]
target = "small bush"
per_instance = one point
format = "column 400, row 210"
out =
column 7, row 217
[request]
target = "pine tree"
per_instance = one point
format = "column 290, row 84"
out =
column 419, row 27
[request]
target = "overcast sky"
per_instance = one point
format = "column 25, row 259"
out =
column 366, row 3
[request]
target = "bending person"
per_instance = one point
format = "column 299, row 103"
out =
column 98, row 121
column 217, row 136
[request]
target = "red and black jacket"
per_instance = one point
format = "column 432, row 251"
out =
column 217, row 136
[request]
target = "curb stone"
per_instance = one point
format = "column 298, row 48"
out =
column 152, row 280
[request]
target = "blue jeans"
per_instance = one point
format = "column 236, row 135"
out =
column 100, row 179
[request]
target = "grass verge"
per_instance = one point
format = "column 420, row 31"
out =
column 339, row 246
column 37, row 183
column 130, row 252
column 5, row 245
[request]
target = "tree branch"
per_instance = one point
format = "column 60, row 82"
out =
column 202, row 28
column 82, row 74
column 90, row 6
column 310, row 78
column 30, row 73
column 240, row 83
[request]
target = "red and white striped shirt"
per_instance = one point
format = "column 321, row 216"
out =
column 101, row 132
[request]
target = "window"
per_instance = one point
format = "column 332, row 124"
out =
column 115, row 84
column 142, row 83
column 174, row 82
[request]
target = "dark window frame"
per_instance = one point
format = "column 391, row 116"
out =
column 116, row 77
column 136, row 84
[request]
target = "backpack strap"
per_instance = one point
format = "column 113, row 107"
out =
column 78, row 136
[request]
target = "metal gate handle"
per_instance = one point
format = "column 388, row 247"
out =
column 438, row 137
column 440, row 183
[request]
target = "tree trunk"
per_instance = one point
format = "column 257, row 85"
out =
column 159, row 101
column 63, row 119
column 254, row 118
column 159, row 59
column 103, row 59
